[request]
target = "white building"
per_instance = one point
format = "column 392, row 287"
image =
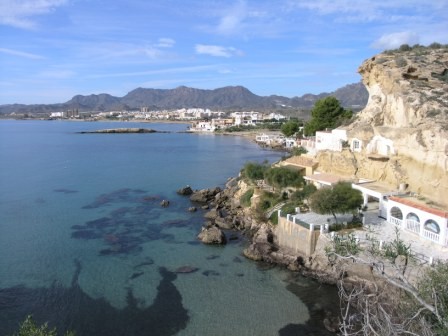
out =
column 246, row 118
column 408, row 213
column 381, row 146
column 57, row 115
column 330, row 140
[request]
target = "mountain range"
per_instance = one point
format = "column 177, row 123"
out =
column 226, row 98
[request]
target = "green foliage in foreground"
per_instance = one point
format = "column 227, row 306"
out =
column 434, row 288
column 29, row 328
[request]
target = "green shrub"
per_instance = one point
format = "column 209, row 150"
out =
column 245, row 199
column 274, row 218
column 400, row 62
column 289, row 208
column 29, row 328
column 253, row 171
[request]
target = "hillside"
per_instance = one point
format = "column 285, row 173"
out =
column 226, row 98
column 406, row 117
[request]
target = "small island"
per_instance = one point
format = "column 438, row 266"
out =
column 123, row 130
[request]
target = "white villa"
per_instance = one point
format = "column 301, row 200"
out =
column 410, row 214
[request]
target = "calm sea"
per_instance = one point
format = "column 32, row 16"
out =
column 86, row 246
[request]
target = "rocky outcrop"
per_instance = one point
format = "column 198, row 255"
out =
column 185, row 191
column 204, row 195
column 212, row 235
column 123, row 130
column 165, row 203
column 407, row 116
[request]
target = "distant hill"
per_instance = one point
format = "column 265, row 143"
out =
column 226, row 98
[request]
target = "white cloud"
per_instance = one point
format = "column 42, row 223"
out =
column 165, row 42
column 217, row 51
column 394, row 40
column 232, row 21
column 19, row 13
column 20, row 53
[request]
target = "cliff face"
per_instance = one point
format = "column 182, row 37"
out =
column 405, row 120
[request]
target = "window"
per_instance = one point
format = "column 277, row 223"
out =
column 356, row 145
column 396, row 213
column 432, row 226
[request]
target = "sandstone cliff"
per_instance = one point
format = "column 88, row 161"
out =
column 407, row 111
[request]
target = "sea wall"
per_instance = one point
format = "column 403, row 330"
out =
column 298, row 239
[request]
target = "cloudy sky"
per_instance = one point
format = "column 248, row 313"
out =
column 51, row 50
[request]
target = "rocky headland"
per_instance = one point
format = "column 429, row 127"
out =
column 408, row 106
column 407, row 110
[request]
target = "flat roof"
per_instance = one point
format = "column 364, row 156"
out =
column 419, row 204
column 379, row 187
column 301, row 160
column 327, row 178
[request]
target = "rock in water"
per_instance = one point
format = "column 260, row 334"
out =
column 185, row 191
column 165, row 203
column 186, row 269
column 212, row 235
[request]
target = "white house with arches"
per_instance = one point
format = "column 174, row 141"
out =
column 409, row 214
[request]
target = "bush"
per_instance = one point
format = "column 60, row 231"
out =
column 400, row 62
column 274, row 218
column 282, row 177
column 245, row 199
column 289, row 208
column 29, row 328
column 253, row 171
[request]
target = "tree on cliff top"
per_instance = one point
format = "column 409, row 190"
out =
column 341, row 198
column 326, row 113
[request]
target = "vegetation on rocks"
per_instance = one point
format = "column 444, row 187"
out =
column 245, row 199
column 282, row 177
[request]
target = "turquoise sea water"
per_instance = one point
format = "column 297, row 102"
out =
column 86, row 246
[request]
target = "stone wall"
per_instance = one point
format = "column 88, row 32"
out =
column 296, row 237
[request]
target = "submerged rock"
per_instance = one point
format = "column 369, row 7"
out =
column 186, row 269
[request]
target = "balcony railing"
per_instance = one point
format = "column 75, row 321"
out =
column 435, row 237
column 413, row 226
column 396, row 221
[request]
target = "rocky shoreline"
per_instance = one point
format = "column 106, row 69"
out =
column 225, row 217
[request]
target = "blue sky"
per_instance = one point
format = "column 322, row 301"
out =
column 51, row 50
